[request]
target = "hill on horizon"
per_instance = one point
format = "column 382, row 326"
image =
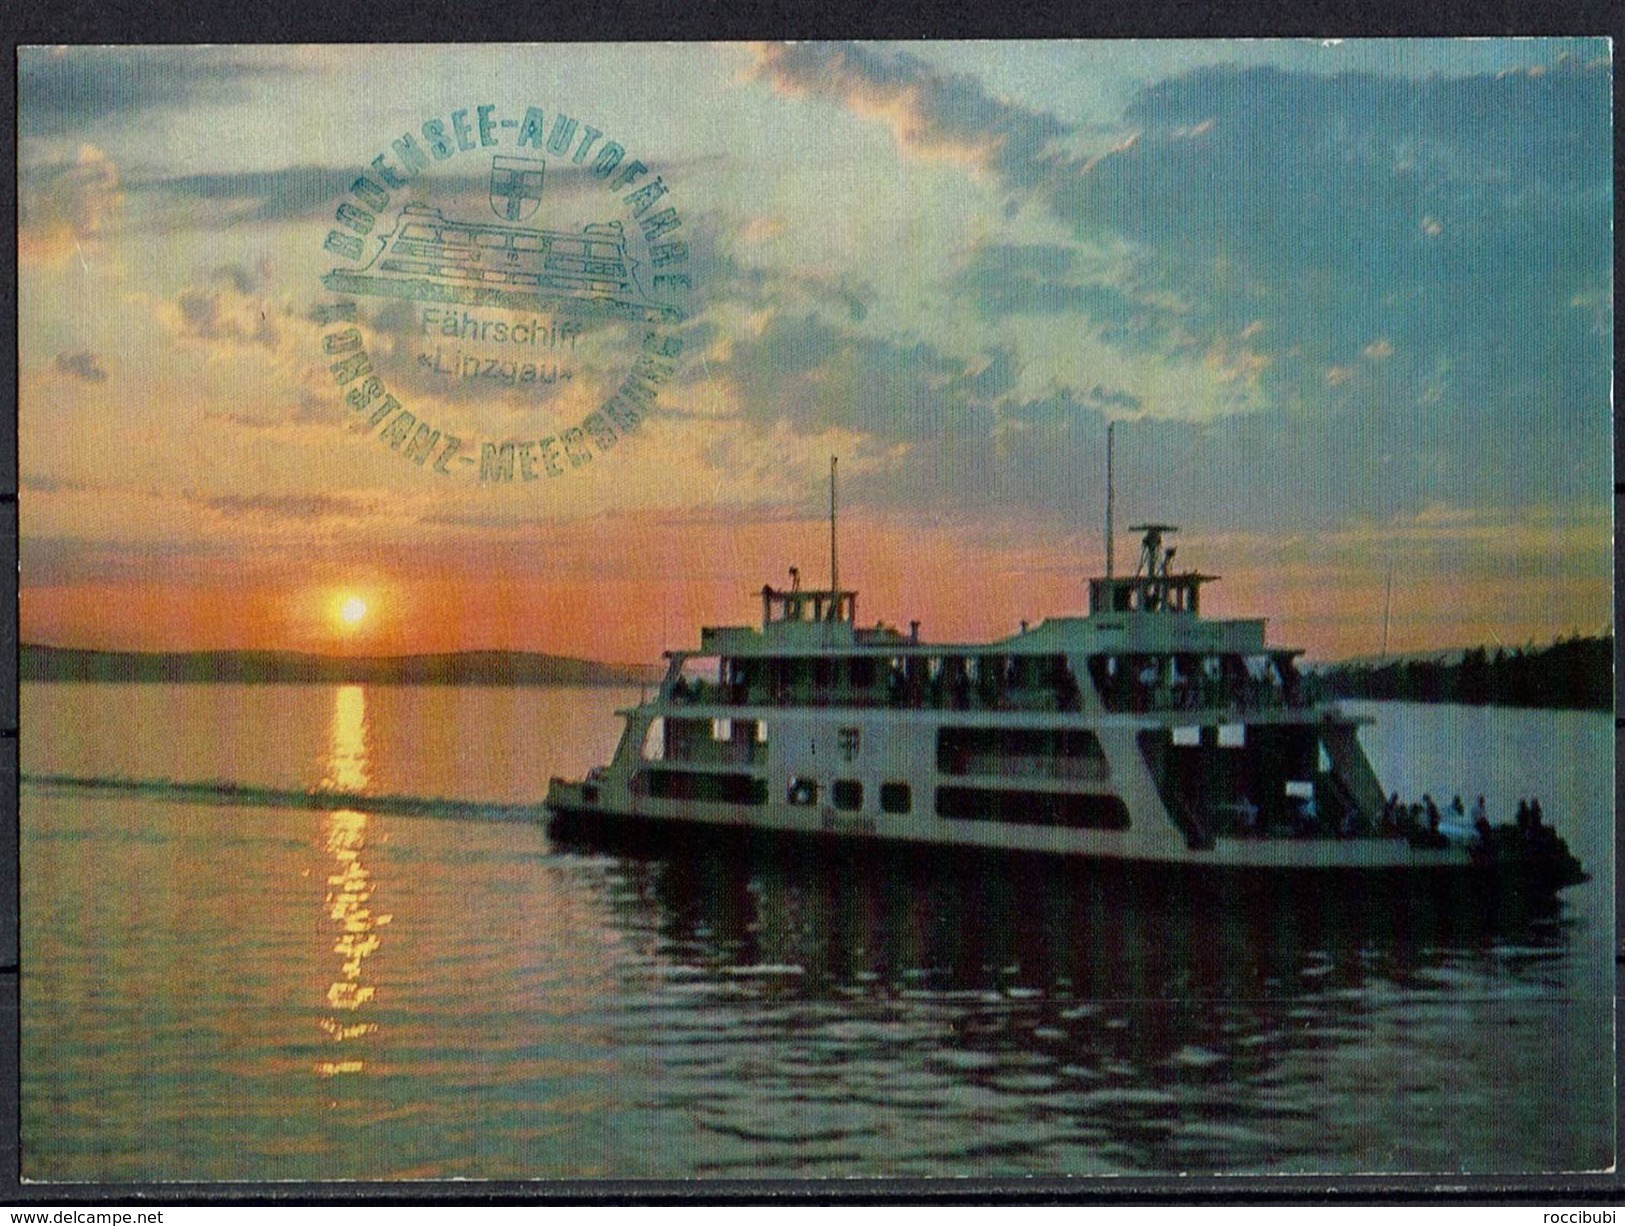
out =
column 39, row 662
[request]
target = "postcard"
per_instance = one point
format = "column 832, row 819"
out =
column 801, row 611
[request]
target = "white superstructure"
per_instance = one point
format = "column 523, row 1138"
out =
column 1142, row 732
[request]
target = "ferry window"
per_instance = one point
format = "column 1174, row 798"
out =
column 802, row 791
column 848, row 794
column 1188, row 734
column 863, row 672
column 895, row 798
column 685, row 785
column 761, row 732
column 1061, row 753
column 850, row 741
column 1232, row 736
column 1065, row 809
column 1325, row 761
column 722, row 730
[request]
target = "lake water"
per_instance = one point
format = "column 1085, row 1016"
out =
column 223, row 980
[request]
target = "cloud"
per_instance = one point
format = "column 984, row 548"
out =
column 818, row 376
column 65, row 206
column 761, row 229
column 213, row 315
column 1454, row 216
column 208, row 200
column 1441, row 214
column 1382, row 257
column 62, row 560
column 81, row 364
column 63, row 89
column 931, row 114
column 1037, row 279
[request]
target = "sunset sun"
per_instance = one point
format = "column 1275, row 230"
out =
column 352, row 610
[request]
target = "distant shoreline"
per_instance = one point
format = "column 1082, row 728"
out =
column 496, row 668
column 1570, row 675
column 1575, row 674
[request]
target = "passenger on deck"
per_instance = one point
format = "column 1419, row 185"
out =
column 1390, row 815
column 1523, row 814
column 1481, row 821
column 1433, row 814
column 1536, row 817
column 1457, row 809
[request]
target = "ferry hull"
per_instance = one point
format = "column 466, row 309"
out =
column 574, row 824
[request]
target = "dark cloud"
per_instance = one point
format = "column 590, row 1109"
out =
column 813, row 375
column 39, row 483
column 203, row 315
column 1414, row 271
column 290, row 193
column 81, row 364
column 300, row 507
column 1112, row 400
column 61, row 90
column 1269, row 192
column 241, row 278
column 999, row 280
column 297, row 193
column 957, row 437
column 1403, row 249
column 1452, row 229
column 59, row 561
column 932, row 113
column 229, row 306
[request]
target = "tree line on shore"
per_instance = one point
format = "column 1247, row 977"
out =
column 1575, row 673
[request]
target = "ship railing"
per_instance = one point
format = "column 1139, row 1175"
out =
column 1240, row 698
column 925, row 698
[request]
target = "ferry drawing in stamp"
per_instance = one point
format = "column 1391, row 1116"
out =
column 429, row 258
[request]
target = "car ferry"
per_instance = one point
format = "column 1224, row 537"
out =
column 1142, row 733
column 431, row 259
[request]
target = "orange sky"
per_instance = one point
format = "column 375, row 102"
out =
column 624, row 588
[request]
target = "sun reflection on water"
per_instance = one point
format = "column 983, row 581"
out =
column 349, row 881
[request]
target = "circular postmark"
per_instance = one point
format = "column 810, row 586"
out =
column 502, row 294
